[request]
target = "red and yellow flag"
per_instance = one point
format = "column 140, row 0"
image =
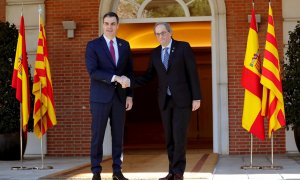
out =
column 252, row 119
column 272, row 98
column 20, row 79
column 42, row 88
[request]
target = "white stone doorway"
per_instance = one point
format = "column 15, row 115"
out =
column 219, row 64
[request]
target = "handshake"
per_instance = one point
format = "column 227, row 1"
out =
column 123, row 80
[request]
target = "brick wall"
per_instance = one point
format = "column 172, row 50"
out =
column 71, row 83
column 2, row 10
column 237, row 32
column 71, row 136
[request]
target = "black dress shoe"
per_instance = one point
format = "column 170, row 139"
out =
column 178, row 177
column 168, row 177
column 119, row 176
column 96, row 176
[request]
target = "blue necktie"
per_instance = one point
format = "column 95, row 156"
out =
column 166, row 58
column 165, row 62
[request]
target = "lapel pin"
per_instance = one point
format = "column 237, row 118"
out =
column 120, row 44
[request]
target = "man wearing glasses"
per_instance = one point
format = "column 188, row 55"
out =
column 178, row 93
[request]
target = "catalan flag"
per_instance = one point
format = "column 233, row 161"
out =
column 252, row 120
column 272, row 98
column 44, row 111
column 20, row 79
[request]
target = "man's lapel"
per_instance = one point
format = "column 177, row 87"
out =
column 172, row 52
column 121, row 50
column 158, row 57
column 104, row 47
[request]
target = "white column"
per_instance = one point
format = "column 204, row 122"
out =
column 219, row 78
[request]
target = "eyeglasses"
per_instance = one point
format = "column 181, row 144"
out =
column 162, row 33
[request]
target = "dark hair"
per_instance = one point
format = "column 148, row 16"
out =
column 111, row 14
column 167, row 25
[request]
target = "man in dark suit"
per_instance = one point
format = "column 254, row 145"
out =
column 178, row 93
column 109, row 63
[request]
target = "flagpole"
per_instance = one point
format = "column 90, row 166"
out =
column 41, row 121
column 41, row 113
column 21, row 121
column 251, row 156
column 21, row 144
column 21, row 130
column 21, row 135
column 251, row 151
column 251, row 135
column 272, row 167
column 41, row 130
column 272, row 151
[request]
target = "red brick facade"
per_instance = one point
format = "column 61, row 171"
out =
column 237, row 32
column 71, row 136
column 2, row 10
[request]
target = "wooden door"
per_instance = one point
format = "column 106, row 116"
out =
column 200, row 130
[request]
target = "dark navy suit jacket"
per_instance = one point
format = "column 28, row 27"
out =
column 101, row 69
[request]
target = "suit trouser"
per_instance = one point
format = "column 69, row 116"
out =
column 115, row 110
column 175, row 122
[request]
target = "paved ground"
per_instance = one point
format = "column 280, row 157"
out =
column 228, row 167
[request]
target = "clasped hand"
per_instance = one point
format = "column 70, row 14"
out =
column 123, row 80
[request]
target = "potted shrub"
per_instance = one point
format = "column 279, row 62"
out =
column 291, row 84
column 9, row 106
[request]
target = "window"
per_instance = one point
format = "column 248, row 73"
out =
column 131, row 9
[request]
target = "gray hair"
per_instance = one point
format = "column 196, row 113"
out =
column 167, row 26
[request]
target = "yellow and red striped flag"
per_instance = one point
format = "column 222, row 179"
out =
column 272, row 98
column 42, row 88
column 252, row 120
column 20, row 79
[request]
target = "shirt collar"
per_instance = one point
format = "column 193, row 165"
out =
column 168, row 46
column 108, row 40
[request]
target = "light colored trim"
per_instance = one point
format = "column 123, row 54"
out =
column 167, row 19
column 188, row 3
column 291, row 19
column 115, row 5
column 146, row 2
column 24, row 2
column 184, row 7
column 219, row 78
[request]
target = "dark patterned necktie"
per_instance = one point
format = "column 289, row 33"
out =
column 166, row 62
column 166, row 58
column 112, row 51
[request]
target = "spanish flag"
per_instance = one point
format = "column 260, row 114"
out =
column 252, row 120
column 272, row 98
column 20, row 79
column 44, row 111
